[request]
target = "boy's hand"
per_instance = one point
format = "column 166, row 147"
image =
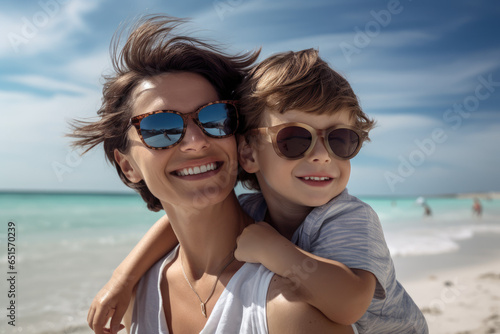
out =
column 111, row 302
column 253, row 243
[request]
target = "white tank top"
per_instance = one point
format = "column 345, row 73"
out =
column 241, row 308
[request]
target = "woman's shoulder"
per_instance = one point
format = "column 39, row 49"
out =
column 287, row 311
column 154, row 272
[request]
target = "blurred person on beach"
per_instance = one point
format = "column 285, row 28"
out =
column 477, row 208
column 301, row 124
column 427, row 209
column 167, row 124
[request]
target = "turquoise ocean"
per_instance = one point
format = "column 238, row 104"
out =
column 67, row 245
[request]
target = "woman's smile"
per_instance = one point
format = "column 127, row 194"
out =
column 199, row 172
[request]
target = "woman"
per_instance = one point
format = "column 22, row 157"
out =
column 167, row 124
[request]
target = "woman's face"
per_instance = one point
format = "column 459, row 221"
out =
column 213, row 160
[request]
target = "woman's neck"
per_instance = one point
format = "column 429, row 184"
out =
column 206, row 236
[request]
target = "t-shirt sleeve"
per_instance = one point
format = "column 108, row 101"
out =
column 254, row 205
column 353, row 236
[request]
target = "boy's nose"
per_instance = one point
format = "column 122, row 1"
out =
column 194, row 138
column 319, row 153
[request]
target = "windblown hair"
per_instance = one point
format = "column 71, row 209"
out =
column 294, row 81
column 152, row 48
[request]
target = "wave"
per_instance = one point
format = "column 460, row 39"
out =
column 435, row 240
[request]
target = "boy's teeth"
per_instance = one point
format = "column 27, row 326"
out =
column 197, row 169
column 315, row 178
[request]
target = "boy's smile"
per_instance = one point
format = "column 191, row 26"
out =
column 316, row 181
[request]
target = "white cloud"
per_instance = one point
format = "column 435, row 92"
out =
column 75, row 10
column 6, row 26
column 384, row 75
column 242, row 9
column 326, row 43
column 219, row 21
column 395, row 135
column 478, row 149
column 32, row 130
column 38, row 120
column 49, row 84
column 402, row 122
column 86, row 69
column 413, row 80
column 44, row 27
column 463, row 158
column 422, row 85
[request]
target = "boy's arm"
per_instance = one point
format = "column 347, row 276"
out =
column 341, row 294
column 113, row 299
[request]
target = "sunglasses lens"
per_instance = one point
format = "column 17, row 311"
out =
column 162, row 130
column 219, row 119
column 343, row 142
column 293, row 141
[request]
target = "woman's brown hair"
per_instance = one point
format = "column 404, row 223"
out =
column 151, row 49
column 294, row 81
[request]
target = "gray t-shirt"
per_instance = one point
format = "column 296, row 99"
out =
column 347, row 230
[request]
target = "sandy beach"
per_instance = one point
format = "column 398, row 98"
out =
column 68, row 245
column 459, row 292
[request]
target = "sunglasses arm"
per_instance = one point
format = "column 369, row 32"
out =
column 260, row 132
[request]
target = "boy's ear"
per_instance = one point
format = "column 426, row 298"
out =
column 246, row 155
column 132, row 173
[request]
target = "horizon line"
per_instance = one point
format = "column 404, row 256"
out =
column 482, row 194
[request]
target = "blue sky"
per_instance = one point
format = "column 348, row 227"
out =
column 427, row 71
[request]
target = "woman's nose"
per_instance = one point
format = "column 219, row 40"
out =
column 194, row 138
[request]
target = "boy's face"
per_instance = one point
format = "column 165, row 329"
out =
column 294, row 182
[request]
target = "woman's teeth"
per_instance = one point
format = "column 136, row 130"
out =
column 197, row 169
column 315, row 178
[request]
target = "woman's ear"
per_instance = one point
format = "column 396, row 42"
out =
column 132, row 173
column 247, row 155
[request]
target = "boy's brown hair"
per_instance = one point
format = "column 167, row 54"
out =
column 294, row 81
column 152, row 49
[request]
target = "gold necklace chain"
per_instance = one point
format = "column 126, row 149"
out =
column 202, row 304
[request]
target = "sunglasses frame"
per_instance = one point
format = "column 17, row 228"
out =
column 136, row 122
column 272, row 132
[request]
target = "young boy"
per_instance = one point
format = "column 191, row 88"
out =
column 301, row 125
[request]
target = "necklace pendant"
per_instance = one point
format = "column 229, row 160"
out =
column 203, row 309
